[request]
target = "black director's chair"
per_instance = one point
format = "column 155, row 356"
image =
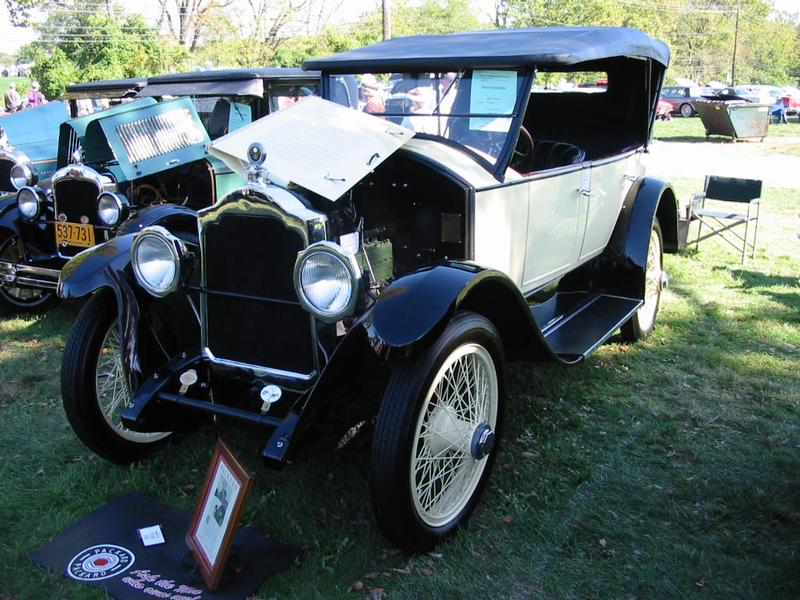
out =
column 722, row 222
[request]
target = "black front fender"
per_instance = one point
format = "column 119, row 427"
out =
column 416, row 308
column 174, row 217
column 9, row 216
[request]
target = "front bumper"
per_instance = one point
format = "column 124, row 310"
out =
column 27, row 276
column 162, row 394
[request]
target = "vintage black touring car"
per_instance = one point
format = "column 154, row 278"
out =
column 119, row 168
column 379, row 270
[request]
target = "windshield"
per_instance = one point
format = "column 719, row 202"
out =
column 473, row 108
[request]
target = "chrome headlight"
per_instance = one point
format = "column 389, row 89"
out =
column 156, row 258
column 326, row 280
column 21, row 175
column 29, row 203
column 112, row 208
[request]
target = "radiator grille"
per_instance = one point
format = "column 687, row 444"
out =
column 252, row 314
column 76, row 198
column 5, row 175
column 159, row 134
column 73, row 144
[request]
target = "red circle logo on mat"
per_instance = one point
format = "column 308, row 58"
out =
column 100, row 562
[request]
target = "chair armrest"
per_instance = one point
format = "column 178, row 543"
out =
column 696, row 201
column 755, row 201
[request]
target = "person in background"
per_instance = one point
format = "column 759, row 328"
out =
column 36, row 97
column 372, row 95
column 13, row 99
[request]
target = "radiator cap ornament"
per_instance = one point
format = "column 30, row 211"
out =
column 255, row 171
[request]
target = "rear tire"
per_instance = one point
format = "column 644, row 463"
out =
column 92, row 360
column 686, row 110
column 434, row 443
column 641, row 324
column 18, row 300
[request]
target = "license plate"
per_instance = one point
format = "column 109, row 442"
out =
column 75, row 234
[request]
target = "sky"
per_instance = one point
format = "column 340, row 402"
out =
column 11, row 38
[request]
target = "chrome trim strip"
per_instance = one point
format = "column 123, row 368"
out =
column 257, row 368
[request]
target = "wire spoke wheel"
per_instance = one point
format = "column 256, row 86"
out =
column 20, row 298
column 462, row 398
column 434, row 442
column 652, row 285
column 95, row 388
column 113, row 394
column 642, row 322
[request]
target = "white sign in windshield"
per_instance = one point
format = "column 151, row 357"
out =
column 316, row 144
column 494, row 93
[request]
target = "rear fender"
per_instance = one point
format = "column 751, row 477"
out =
column 620, row 269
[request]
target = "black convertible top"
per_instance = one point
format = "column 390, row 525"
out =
column 230, row 75
column 109, row 88
column 540, row 47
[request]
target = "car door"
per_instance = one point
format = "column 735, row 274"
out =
column 609, row 184
column 557, row 205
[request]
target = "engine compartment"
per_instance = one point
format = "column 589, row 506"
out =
column 407, row 210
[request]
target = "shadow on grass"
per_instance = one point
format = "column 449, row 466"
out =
column 695, row 139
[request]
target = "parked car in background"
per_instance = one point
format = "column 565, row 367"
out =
column 767, row 94
column 681, row 99
column 375, row 274
column 663, row 110
column 135, row 165
column 791, row 99
column 29, row 138
column 738, row 93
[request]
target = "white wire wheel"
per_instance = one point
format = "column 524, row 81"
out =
column 462, row 398
column 94, row 387
column 642, row 322
column 435, row 434
column 112, row 390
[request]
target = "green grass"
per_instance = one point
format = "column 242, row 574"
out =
column 666, row 469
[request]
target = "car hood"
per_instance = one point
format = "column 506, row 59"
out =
column 316, row 144
column 35, row 131
column 71, row 133
column 148, row 140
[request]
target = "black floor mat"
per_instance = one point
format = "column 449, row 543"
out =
column 104, row 550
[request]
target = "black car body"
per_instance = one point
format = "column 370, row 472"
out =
column 364, row 260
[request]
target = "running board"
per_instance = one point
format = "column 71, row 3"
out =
column 578, row 333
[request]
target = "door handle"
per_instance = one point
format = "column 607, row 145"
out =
column 585, row 191
column 631, row 177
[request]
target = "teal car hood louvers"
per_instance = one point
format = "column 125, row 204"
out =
column 150, row 140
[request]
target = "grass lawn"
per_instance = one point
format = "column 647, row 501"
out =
column 667, row 469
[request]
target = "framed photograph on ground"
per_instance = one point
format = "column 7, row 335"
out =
column 217, row 515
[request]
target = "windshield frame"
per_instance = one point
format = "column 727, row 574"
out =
column 500, row 165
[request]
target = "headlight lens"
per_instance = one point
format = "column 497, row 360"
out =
column 21, row 175
column 326, row 280
column 156, row 260
column 111, row 208
column 29, row 203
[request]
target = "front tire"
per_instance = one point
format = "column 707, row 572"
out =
column 19, row 300
column 94, row 387
column 686, row 110
column 641, row 324
column 435, row 436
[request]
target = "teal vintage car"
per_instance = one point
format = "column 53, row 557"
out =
column 28, row 139
column 124, row 169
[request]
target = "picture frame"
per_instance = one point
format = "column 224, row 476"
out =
column 213, row 527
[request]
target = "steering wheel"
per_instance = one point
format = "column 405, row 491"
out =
column 523, row 151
